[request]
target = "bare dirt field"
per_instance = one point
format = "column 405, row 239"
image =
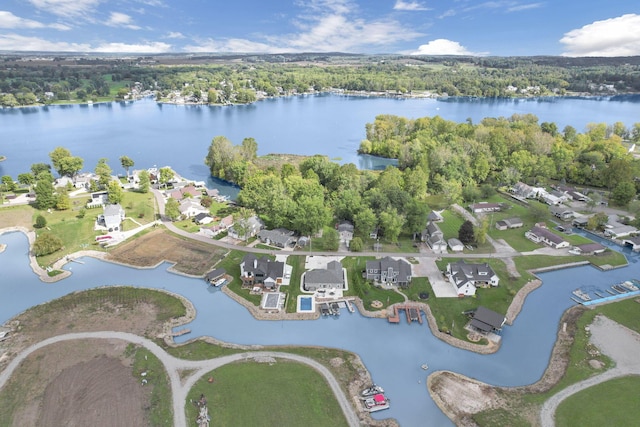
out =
column 17, row 216
column 190, row 257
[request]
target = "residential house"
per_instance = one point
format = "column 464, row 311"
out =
column 244, row 229
column 203, row 218
column 330, row 278
column 345, row 230
column 509, row 223
column 577, row 196
column 261, row 272
column 112, row 217
column 434, row 237
column 487, row 321
column 455, row 245
column 539, row 234
column 189, row 208
column 185, row 192
column 435, row 216
column 580, row 222
column 524, row 191
column 389, row 270
column 618, row 231
column 215, row 275
column 466, row 278
column 562, row 212
column 589, row 249
column 97, row 199
column 485, row 207
column 551, row 199
column 280, row 237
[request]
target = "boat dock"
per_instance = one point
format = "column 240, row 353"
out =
column 615, row 292
column 412, row 312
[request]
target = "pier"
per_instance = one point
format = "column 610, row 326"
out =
column 412, row 312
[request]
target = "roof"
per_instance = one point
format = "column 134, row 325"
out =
column 454, row 242
column 463, row 272
column 485, row 205
column 591, row 247
column 214, row 274
column 560, row 209
column 487, row 320
column 201, row 216
column 402, row 267
column 113, row 210
column 332, row 274
column 434, row 216
column 345, row 226
column 546, row 234
column 279, row 236
column 263, row 266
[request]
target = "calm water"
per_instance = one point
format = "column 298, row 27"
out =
column 392, row 353
column 179, row 136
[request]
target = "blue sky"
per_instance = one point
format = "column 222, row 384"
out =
column 431, row 27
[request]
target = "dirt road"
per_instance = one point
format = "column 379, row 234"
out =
column 174, row 365
column 616, row 341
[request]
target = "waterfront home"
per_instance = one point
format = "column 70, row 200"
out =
column 97, row 199
column 486, row 321
column 330, row 278
column 616, row 229
column 523, row 190
column 580, row 222
column 589, row 249
column 215, row 275
column 485, row 207
column 466, row 278
column 112, row 217
column 189, row 208
column 246, row 228
column 509, row 223
column 389, row 270
column 185, row 192
column 455, row 245
column 280, row 237
column 562, row 212
column 203, row 218
column 539, row 234
column 261, row 272
column 577, row 196
column 434, row 237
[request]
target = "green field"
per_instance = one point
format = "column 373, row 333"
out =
column 266, row 394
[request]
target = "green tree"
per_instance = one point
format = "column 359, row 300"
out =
column 538, row 212
column 26, row 179
column 312, row 215
column 44, row 191
column 103, row 170
column 365, row 221
column 623, row 193
column 391, row 224
column 466, row 233
column 144, row 181
column 46, row 243
column 598, row 221
column 38, row 168
column 172, row 209
column 63, row 201
column 41, row 221
column 166, row 175
column 126, row 163
column 356, row 244
column 8, row 184
column 64, row 163
column 330, row 239
column 115, row 192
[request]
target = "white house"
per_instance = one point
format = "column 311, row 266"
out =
column 190, row 208
column 544, row 235
column 466, row 278
column 112, row 217
column 455, row 245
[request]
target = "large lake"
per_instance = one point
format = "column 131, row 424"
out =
column 179, row 136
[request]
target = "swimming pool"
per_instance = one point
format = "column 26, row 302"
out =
column 306, row 304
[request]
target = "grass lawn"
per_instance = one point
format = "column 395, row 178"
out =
column 159, row 410
column 293, row 289
column 231, row 263
column 266, row 394
column 417, row 286
column 451, row 224
column 360, row 287
column 139, row 206
column 608, row 404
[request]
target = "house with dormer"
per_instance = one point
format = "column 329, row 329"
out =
column 261, row 272
column 389, row 270
column 434, row 238
column 466, row 278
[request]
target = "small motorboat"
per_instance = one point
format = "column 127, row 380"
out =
column 424, row 366
column 372, row 391
column 377, row 402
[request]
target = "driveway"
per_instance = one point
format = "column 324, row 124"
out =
column 175, row 367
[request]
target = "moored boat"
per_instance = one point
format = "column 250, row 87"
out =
column 372, row 391
column 377, row 402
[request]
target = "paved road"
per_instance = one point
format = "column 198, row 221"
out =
column 174, row 365
column 616, row 341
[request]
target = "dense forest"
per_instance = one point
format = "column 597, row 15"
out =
column 462, row 161
column 242, row 79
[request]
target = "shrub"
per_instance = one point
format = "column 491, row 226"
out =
column 46, row 243
column 41, row 222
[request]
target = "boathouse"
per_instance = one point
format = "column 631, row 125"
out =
column 487, row 321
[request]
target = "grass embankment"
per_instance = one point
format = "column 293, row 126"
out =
column 589, row 404
column 266, row 394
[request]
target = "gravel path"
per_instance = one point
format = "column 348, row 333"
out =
column 174, row 365
column 616, row 341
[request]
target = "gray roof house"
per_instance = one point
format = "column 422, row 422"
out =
column 562, row 212
column 434, row 237
column 113, row 216
column 509, row 223
column 280, row 237
column 484, row 207
column 435, row 217
column 466, row 278
column 455, row 245
column 331, row 277
column 345, row 230
column 544, row 235
column 389, row 270
column 244, row 229
column 486, row 321
column 261, row 271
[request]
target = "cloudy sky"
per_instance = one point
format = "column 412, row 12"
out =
column 430, row 27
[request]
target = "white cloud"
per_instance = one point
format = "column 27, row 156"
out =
column 325, row 26
column 521, row 7
column 9, row 20
column 409, row 5
column 152, row 47
column 444, row 47
column 22, row 43
column 175, row 35
column 618, row 36
column 66, row 8
column 117, row 19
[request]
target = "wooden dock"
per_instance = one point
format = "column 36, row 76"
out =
column 412, row 312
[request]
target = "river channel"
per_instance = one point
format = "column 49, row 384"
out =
column 392, row 353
